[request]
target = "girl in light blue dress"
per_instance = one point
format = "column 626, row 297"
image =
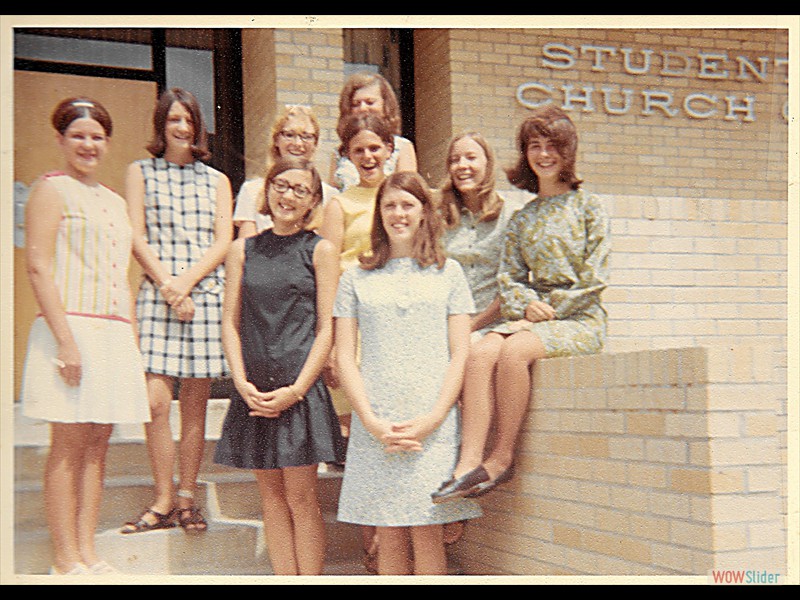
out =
column 411, row 306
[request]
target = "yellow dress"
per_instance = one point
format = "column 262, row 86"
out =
column 358, row 208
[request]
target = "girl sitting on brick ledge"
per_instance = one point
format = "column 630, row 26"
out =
column 553, row 269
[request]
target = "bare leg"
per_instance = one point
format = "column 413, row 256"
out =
column 278, row 529
column 513, row 389
column 160, row 446
column 193, row 398
column 61, row 477
column 300, row 485
column 478, row 401
column 91, row 489
column 429, row 554
column 394, row 551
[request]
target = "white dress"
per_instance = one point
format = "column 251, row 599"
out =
column 402, row 313
column 93, row 249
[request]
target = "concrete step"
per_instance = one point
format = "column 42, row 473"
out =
column 233, row 545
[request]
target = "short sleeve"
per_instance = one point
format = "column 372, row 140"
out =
column 346, row 304
column 460, row 299
column 246, row 200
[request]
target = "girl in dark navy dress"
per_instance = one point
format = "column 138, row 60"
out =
column 277, row 332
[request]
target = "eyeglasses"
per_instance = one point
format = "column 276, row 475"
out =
column 293, row 135
column 299, row 190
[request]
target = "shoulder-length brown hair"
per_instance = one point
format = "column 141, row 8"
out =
column 427, row 247
column 158, row 145
column 450, row 197
column 313, row 219
column 356, row 81
column 554, row 124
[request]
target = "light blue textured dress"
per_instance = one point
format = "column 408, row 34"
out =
column 478, row 246
column 402, row 313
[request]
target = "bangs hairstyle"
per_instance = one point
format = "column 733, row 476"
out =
column 81, row 107
column 290, row 111
column 356, row 81
column 427, row 248
column 313, row 219
column 355, row 124
column 158, row 145
column 553, row 124
column 452, row 202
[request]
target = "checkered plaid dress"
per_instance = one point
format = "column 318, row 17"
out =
column 180, row 207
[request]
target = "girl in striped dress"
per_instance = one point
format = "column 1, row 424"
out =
column 78, row 250
column 180, row 209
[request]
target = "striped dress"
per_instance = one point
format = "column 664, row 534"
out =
column 180, row 209
column 90, row 270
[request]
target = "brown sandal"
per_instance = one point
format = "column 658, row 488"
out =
column 163, row 521
column 191, row 519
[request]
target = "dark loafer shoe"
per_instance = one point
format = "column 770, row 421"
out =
column 488, row 486
column 460, row 487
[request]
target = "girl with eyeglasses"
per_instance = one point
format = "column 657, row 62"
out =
column 295, row 133
column 277, row 332
column 180, row 209
column 370, row 93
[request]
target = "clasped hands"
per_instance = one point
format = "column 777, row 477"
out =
column 535, row 312
column 270, row 404
column 406, row 436
column 177, row 292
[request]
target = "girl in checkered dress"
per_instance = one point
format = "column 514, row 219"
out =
column 180, row 209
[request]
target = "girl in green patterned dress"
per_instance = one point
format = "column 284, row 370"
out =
column 553, row 269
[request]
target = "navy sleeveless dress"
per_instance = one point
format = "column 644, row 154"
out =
column 277, row 330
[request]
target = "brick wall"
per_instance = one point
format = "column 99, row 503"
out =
column 290, row 66
column 644, row 151
column 653, row 462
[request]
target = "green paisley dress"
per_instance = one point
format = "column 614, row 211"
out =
column 556, row 251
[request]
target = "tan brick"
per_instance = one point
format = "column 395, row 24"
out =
column 764, row 479
column 729, row 537
column 692, row 535
column 744, row 451
column 626, row 448
column 666, row 398
column 669, row 504
column 666, row 451
column 567, row 536
column 692, row 481
column 771, row 560
column 593, row 446
column 645, row 424
column 767, row 535
column 724, row 424
column 761, row 425
column 617, row 546
column 673, row 557
column 644, row 475
column 691, row 425
column 605, row 471
column 649, row 527
column 736, row 508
